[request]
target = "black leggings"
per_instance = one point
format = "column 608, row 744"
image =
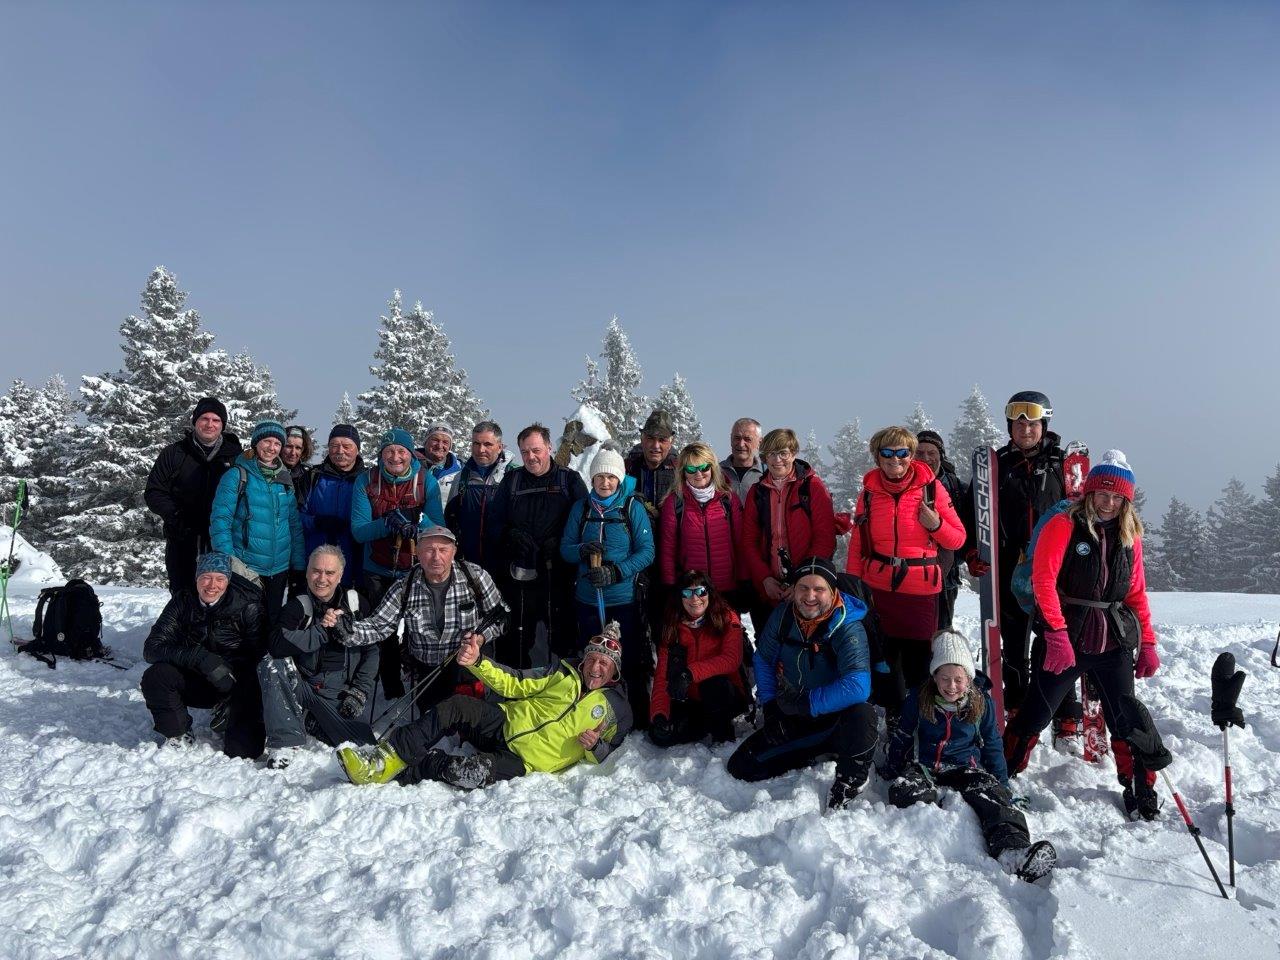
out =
column 1112, row 674
column 1003, row 825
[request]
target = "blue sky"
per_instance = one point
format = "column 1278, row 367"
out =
column 813, row 211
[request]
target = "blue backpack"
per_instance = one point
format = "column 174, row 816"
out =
column 1021, row 584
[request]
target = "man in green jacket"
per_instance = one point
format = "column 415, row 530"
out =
column 551, row 718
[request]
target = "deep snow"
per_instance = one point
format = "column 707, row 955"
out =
column 112, row 848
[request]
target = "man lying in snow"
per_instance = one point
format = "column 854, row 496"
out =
column 550, row 719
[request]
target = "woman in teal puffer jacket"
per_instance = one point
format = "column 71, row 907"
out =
column 255, row 516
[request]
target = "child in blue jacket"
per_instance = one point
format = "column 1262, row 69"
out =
column 947, row 738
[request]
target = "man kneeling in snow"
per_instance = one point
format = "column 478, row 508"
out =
column 312, row 681
column 551, row 718
column 203, row 652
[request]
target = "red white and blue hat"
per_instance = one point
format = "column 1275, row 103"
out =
column 1112, row 475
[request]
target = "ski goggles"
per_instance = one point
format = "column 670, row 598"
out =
column 1026, row 410
column 692, row 468
column 890, row 453
column 609, row 643
column 688, row 592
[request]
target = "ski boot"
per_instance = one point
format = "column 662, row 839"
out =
column 376, row 764
column 1140, row 802
column 851, row 777
column 1030, row 863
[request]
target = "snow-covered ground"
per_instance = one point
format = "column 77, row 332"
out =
column 112, row 848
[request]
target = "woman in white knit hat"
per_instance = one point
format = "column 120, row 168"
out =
column 947, row 737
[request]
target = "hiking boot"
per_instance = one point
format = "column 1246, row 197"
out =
column 280, row 757
column 1141, row 803
column 1029, row 863
column 1067, row 728
column 183, row 741
column 844, row 790
column 468, row 773
column 376, row 764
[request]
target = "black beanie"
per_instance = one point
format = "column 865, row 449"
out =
column 815, row 567
column 934, row 437
column 210, row 405
column 345, row 430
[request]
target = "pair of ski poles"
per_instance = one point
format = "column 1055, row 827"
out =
column 19, row 509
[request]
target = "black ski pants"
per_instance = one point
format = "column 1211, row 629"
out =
column 544, row 622
column 477, row 722
column 789, row 743
column 1112, row 674
column 375, row 588
column 908, row 662
column 1017, row 660
column 180, row 555
column 691, row 720
column 1003, row 825
column 169, row 690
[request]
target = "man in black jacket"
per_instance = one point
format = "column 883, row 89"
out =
column 181, row 485
column 534, row 502
column 204, row 650
column 311, row 682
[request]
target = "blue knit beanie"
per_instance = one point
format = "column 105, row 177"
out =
column 267, row 428
column 395, row 437
column 214, row 562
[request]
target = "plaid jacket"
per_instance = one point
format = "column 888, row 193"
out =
column 462, row 613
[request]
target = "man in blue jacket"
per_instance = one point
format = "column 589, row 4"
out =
column 813, row 676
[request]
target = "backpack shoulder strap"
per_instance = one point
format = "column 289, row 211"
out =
column 806, row 503
column 353, row 601
column 42, row 604
column 476, row 593
column 931, row 492
column 308, row 611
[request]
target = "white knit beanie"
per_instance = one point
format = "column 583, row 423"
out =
column 950, row 647
column 609, row 462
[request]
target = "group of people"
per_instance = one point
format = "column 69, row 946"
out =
column 541, row 618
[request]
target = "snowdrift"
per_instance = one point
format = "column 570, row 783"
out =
column 112, row 848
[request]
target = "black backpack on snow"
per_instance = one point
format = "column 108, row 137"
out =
column 68, row 623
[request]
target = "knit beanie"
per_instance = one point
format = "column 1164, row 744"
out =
column 609, row 462
column 950, row 647
column 345, row 431
column 395, row 437
column 267, row 428
column 932, row 436
column 1112, row 475
column 214, row 562
column 440, row 427
column 210, row 405
column 600, row 645
column 815, row 567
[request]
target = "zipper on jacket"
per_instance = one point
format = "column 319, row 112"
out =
column 942, row 744
column 545, row 723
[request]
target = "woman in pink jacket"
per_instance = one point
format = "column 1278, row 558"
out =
column 902, row 518
column 699, row 523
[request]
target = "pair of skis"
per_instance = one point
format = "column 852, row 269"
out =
column 986, row 511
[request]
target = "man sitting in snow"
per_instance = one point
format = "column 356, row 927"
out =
column 312, row 680
column 551, row 718
column 203, row 652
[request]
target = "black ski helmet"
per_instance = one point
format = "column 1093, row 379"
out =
column 1029, row 396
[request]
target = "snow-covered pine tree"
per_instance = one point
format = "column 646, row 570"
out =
column 249, row 392
column 973, row 428
column 1177, row 557
column 917, row 419
column 418, row 382
column 850, row 462
column 1235, row 547
column 346, row 412
column 811, row 453
column 616, row 394
column 1266, row 520
column 674, row 397
column 35, row 428
column 106, row 534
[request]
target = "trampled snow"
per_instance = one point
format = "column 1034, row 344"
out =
column 112, row 848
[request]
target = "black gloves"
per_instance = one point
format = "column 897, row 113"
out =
column 1227, row 681
column 399, row 525
column 585, row 550
column 605, row 575
column 661, row 727
column 791, row 701
column 524, row 549
column 351, row 703
column 678, row 686
column 214, row 669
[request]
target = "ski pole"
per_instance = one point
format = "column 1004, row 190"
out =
column 594, row 562
column 1226, row 682
column 413, row 694
column 1194, row 831
column 1231, row 810
column 20, row 500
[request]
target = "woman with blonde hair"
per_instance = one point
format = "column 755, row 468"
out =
column 903, row 520
column 699, row 522
column 1091, row 617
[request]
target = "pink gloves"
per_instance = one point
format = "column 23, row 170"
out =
column 1058, row 655
column 1148, row 662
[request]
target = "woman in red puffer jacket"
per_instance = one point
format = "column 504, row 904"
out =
column 697, row 688
column 902, row 518
column 699, row 522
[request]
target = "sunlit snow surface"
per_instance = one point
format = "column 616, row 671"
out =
column 111, row 848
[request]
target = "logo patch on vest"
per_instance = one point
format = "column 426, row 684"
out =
column 597, row 711
column 1083, row 549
